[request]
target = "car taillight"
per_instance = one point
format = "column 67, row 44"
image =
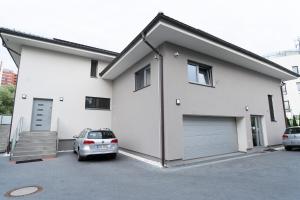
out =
column 114, row 141
column 88, row 142
column 285, row 136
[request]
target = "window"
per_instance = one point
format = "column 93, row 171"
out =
column 94, row 64
column 295, row 69
column 100, row 135
column 271, row 108
column 298, row 86
column 97, row 103
column 142, row 78
column 284, row 89
column 287, row 105
column 199, row 73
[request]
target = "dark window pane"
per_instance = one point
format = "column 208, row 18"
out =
column 97, row 103
column 100, row 135
column 203, row 77
column 192, row 73
column 271, row 107
column 94, row 64
column 142, row 78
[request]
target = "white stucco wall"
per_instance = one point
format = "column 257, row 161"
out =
column 51, row 75
column 293, row 95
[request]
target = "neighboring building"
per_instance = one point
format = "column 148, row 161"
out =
column 1, row 69
column 192, row 95
column 291, row 89
column 8, row 77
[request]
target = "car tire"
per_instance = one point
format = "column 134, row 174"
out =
column 288, row 148
column 114, row 156
column 79, row 157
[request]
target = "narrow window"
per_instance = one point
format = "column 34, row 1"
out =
column 199, row 73
column 287, row 105
column 97, row 103
column 94, row 64
column 142, row 78
column 298, row 86
column 284, row 89
column 271, row 108
column 295, row 69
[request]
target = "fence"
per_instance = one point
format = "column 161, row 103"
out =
column 5, row 119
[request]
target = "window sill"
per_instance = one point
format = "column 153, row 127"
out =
column 211, row 86
column 141, row 88
column 102, row 109
column 273, row 121
column 93, row 77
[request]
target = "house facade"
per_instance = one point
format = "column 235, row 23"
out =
column 291, row 89
column 174, row 93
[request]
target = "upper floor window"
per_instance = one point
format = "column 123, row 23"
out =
column 199, row 73
column 295, row 69
column 284, row 89
column 97, row 103
column 94, row 65
column 298, row 86
column 270, row 100
column 287, row 105
column 142, row 78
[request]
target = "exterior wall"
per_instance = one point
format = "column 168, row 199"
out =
column 136, row 114
column 293, row 95
column 234, row 88
column 51, row 75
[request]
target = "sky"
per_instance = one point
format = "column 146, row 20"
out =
column 261, row 26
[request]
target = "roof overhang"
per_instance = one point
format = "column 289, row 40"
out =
column 14, row 41
column 164, row 29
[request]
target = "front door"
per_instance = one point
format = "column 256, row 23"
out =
column 257, row 134
column 41, row 115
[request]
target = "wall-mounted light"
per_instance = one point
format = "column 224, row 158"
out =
column 24, row 96
column 61, row 99
column 156, row 57
column 246, row 108
column 177, row 102
column 176, row 54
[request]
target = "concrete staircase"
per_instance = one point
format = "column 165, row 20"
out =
column 4, row 134
column 35, row 145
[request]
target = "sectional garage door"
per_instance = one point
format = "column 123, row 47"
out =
column 208, row 136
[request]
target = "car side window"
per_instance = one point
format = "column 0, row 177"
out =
column 82, row 134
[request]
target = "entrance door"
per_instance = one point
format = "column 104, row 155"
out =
column 257, row 134
column 41, row 115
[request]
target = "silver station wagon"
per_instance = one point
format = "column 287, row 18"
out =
column 291, row 138
column 95, row 142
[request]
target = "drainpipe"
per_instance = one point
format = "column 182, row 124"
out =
column 162, row 113
column 282, row 98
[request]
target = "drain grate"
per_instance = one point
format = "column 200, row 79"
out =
column 23, row 191
column 27, row 161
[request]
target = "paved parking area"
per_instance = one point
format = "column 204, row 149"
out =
column 273, row 176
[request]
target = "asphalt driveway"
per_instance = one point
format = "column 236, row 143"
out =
column 273, row 176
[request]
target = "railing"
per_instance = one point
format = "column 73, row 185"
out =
column 16, row 135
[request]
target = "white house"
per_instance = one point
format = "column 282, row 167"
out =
column 174, row 93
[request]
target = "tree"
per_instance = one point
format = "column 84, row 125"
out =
column 295, row 123
column 7, row 99
column 288, row 122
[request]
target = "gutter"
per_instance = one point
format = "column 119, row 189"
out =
column 162, row 107
column 282, row 98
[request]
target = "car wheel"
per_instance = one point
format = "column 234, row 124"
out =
column 114, row 156
column 288, row 148
column 79, row 157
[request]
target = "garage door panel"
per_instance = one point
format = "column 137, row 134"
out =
column 207, row 136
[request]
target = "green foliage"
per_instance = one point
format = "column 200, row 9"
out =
column 288, row 122
column 295, row 123
column 7, row 99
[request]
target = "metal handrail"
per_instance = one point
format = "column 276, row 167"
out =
column 16, row 136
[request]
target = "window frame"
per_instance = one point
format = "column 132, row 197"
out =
column 271, row 108
column 284, row 91
column 146, row 82
column 97, row 108
column 298, row 86
column 198, row 67
column 289, row 106
column 297, row 67
column 94, row 64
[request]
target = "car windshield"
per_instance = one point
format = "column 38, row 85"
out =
column 100, row 135
column 292, row 131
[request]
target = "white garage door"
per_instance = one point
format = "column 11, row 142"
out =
column 208, row 136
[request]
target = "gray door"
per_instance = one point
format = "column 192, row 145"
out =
column 208, row 136
column 41, row 115
column 257, row 134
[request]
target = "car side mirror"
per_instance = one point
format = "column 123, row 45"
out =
column 75, row 136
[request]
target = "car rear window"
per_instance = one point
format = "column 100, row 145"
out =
column 100, row 135
column 292, row 131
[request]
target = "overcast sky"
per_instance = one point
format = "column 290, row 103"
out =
column 261, row 26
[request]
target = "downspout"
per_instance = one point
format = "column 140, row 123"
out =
column 282, row 98
column 162, row 113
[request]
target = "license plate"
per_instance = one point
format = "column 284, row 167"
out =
column 101, row 146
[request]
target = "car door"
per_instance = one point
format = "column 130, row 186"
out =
column 296, row 137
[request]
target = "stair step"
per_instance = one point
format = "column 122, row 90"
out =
column 35, row 140
column 33, row 152
column 35, row 148
column 38, row 134
column 45, row 144
column 32, row 157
